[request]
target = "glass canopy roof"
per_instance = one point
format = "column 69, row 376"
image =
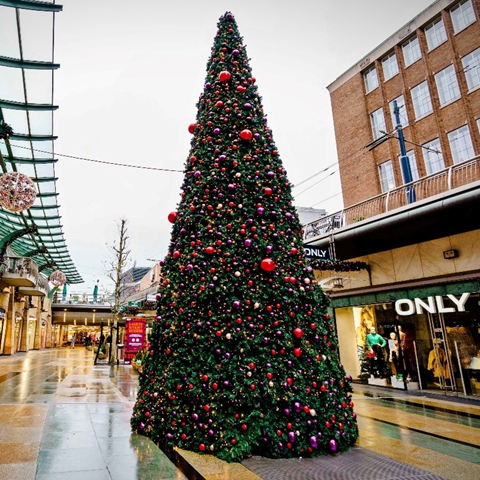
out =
column 27, row 67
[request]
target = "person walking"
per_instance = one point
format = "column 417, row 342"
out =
column 72, row 342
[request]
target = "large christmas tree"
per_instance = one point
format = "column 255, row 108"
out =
column 243, row 357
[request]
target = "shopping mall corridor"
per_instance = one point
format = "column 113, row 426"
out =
column 61, row 417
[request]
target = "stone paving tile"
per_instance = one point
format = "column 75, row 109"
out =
column 18, row 471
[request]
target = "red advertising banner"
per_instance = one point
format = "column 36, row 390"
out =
column 135, row 337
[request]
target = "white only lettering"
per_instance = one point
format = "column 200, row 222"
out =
column 405, row 306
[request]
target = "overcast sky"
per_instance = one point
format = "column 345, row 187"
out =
column 131, row 74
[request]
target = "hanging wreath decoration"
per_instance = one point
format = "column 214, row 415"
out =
column 58, row 278
column 17, row 191
column 339, row 265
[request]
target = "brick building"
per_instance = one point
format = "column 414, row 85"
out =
column 432, row 68
column 418, row 286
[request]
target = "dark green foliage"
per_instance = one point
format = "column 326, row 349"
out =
column 241, row 360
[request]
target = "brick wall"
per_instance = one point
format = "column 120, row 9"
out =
column 351, row 108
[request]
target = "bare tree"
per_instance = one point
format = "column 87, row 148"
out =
column 119, row 253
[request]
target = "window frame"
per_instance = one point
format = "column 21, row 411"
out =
column 456, row 153
column 392, row 116
column 388, row 58
column 411, row 49
column 384, row 176
column 412, row 160
column 465, row 71
column 369, row 89
column 442, row 90
column 415, row 103
column 454, row 18
column 434, row 34
column 377, row 126
column 427, row 156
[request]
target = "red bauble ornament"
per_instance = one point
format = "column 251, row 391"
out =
column 191, row 128
column 176, row 254
column 298, row 332
column 268, row 191
column 210, row 250
column 202, row 447
column 224, row 76
column 294, row 251
column 172, row 216
column 268, row 265
column 297, row 352
column 246, row 134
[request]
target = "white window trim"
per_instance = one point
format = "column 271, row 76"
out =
column 453, row 100
column 440, row 19
column 374, row 68
column 403, row 52
column 474, row 89
column 466, row 26
column 392, row 54
column 427, row 152
column 471, row 143
column 413, row 103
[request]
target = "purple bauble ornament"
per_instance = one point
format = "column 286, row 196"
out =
column 313, row 442
column 247, row 242
column 333, row 445
column 291, row 437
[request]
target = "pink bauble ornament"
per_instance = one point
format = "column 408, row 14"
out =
column 17, row 191
column 58, row 278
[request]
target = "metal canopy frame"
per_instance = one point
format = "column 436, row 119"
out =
column 27, row 39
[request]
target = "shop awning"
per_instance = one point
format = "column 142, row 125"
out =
column 27, row 104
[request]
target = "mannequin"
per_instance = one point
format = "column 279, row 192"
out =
column 437, row 363
column 393, row 356
column 375, row 342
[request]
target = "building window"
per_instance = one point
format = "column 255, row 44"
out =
column 378, row 123
column 471, row 67
column 447, row 85
column 387, row 179
column 461, row 144
column 390, row 66
column 371, row 79
column 411, row 51
column 422, row 104
column 412, row 161
column 402, row 111
column 432, row 154
column 462, row 15
column 435, row 34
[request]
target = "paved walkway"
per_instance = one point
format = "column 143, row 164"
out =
column 63, row 418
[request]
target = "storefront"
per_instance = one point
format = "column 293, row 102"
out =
column 413, row 339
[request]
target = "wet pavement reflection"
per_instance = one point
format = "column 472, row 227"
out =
column 61, row 417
